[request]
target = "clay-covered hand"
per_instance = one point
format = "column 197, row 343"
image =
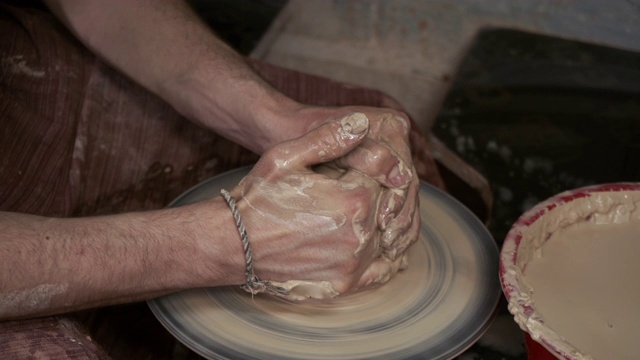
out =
column 384, row 155
column 314, row 232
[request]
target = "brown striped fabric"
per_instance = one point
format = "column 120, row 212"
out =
column 79, row 139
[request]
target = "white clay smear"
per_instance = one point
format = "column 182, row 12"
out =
column 585, row 284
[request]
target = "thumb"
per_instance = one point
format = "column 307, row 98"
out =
column 329, row 141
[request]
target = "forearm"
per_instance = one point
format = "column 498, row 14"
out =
column 58, row 265
column 165, row 47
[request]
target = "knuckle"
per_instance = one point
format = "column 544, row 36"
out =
column 342, row 286
column 327, row 140
column 403, row 122
column 272, row 162
column 377, row 153
column 398, row 121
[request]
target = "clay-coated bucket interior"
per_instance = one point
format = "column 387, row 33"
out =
column 614, row 205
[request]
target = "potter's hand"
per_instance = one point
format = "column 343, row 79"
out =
column 312, row 226
column 385, row 156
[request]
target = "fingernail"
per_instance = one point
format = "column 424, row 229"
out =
column 394, row 175
column 399, row 178
column 355, row 124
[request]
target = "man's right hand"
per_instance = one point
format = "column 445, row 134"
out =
column 313, row 226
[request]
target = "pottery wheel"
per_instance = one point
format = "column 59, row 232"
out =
column 435, row 309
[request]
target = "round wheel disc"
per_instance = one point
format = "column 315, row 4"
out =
column 435, row 309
